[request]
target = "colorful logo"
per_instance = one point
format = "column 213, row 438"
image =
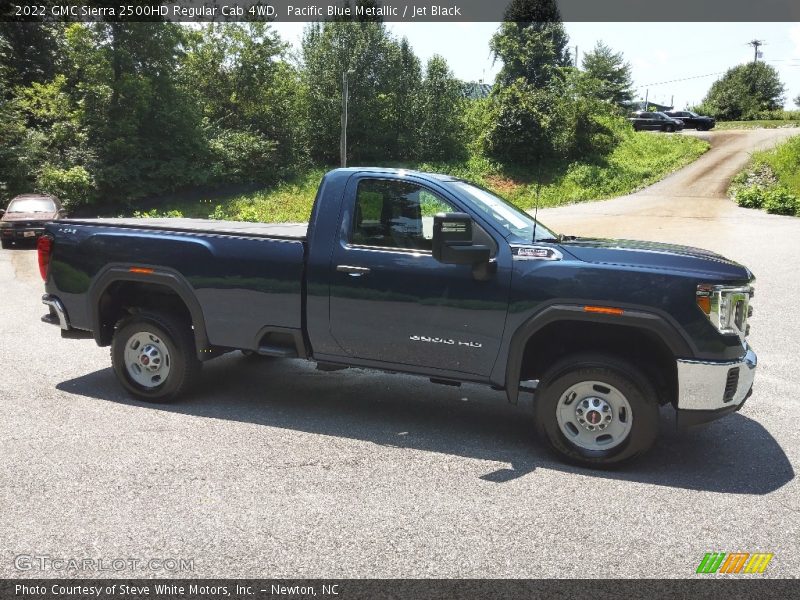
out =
column 734, row 562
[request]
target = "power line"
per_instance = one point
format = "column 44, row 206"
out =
column 682, row 79
column 717, row 73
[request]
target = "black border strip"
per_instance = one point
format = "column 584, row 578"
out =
column 729, row 587
column 395, row 10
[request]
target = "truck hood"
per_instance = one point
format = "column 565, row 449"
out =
column 656, row 255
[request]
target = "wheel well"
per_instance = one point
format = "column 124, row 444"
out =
column 640, row 347
column 123, row 298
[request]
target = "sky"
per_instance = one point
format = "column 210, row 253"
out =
column 659, row 53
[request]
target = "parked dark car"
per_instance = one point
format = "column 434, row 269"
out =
column 424, row 274
column 656, row 121
column 692, row 120
column 26, row 215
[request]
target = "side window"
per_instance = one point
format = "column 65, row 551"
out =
column 395, row 214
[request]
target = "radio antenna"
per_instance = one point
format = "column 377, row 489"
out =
column 536, row 200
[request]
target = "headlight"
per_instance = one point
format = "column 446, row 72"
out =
column 726, row 307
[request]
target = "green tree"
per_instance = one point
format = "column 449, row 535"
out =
column 441, row 108
column 529, row 106
column 13, row 171
column 373, row 57
column 531, row 43
column 140, row 123
column 797, row 101
column 745, row 91
column 251, row 100
column 405, row 86
column 31, row 51
column 611, row 71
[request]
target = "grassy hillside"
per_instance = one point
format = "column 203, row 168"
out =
column 765, row 124
column 772, row 180
column 639, row 160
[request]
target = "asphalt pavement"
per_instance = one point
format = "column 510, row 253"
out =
column 274, row 469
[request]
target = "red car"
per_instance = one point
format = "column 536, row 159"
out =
column 26, row 215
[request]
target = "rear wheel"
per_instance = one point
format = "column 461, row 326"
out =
column 5, row 244
column 154, row 356
column 597, row 410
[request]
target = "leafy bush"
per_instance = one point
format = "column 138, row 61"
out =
column 527, row 124
column 74, row 186
column 242, row 156
column 772, row 181
column 751, row 196
column 155, row 213
column 781, row 201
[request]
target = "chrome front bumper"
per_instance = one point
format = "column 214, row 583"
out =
column 715, row 386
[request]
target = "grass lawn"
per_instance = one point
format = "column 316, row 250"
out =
column 640, row 159
column 767, row 124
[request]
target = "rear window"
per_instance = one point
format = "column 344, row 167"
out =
column 31, row 205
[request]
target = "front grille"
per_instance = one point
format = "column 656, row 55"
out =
column 731, row 384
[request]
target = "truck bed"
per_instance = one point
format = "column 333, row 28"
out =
column 290, row 231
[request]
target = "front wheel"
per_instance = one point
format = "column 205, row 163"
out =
column 154, row 357
column 596, row 410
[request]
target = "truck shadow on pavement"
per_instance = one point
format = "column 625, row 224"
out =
column 734, row 455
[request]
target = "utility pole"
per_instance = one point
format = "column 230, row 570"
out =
column 646, row 96
column 756, row 44
column 576, row 57
column 345, row 98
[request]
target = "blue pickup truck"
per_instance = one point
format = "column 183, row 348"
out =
column 424, row 274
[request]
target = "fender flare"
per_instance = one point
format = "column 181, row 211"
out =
column 660, row 325
column 159, row 276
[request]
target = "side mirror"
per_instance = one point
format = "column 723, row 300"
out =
column 452, row 241
column 2, row 211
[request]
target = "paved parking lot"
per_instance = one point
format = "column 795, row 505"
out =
column 275, row 469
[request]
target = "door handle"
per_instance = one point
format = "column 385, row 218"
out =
column 352, row 271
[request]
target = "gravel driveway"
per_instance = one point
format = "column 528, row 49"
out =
column 274, row 469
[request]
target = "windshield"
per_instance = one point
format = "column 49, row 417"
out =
column 516, row 222
column 32, row 205
column 692, row 114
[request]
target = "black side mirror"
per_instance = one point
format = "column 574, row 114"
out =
column 2, row 211
column 452, row 241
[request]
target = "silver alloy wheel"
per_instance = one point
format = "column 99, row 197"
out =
column 147, row 359
column 594, row 415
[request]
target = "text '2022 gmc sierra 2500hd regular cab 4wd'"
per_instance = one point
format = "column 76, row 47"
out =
column 424, row 274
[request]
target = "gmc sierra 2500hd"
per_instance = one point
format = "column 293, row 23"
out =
column 423, row 274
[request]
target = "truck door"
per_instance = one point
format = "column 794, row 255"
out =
column 391, row 301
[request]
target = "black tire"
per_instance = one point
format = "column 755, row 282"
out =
column 5, row 244
column 669, row 128
column 176, row 336
column 620, row 374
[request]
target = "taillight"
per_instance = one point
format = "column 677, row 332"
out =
column 45, row 248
